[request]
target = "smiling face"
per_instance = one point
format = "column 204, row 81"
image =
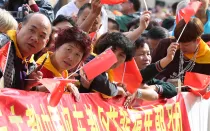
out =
column 33, row 35
column 68, row 56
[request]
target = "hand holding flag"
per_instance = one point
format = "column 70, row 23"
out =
column 132, row 76
column 190, row 10
column 187, row 12
column 56, row 87
column 100, row 64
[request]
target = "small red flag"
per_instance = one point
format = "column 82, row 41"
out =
column 198, row 82
column 132, row 76
column 100, row 64
column 190, row 10
column 92, row 35
column 112, row 2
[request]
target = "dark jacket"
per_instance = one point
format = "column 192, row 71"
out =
column 14, row 70
column 173, row 67
column 44, row 7
column 102, row 84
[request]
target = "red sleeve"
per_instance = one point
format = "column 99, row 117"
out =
column 34, row 7
column 46, row 73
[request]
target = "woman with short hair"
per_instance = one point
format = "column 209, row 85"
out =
column 193, row 54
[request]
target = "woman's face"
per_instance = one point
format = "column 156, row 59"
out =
column 143, row 57
column 68, row 55
column 188, row 47
column 121, row 57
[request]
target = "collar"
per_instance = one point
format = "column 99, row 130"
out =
column 13, row 37
column 203, row 53
column 48, row 65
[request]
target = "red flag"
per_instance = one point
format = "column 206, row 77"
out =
column 190, row 10
column 92, row 35
column 178, row 17
column 132, row 76
column 58, row 91
column 112, row 2
column 198, row 82
column 100, row 64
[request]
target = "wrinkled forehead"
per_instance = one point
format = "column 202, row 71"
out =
column 41, row 24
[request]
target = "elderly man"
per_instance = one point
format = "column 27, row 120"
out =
column 17, row 47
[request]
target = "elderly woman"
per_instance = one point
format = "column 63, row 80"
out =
column 193, row 54
column 72, row 46
column 7, row 22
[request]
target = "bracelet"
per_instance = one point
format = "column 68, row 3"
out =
column 159, row 89
column 139, row 94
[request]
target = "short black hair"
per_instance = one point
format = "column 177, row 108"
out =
column 168, row 23
column 205, row 37
column 157, row 32
column 136, row 4
column 134, row 22
column 174, row 6
column 116, row 25
column 86, row 5
column 62, row 18
column 115, row 40
column 140, row 42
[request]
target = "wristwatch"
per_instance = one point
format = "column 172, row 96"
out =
column 139, row 94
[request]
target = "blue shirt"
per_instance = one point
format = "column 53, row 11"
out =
column 207, row 24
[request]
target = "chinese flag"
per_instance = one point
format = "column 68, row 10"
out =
column 178, row 17
column 100, row 64
column 198, row 82
column 112, row 2
column 92, row 35
column 56, row 88
column 132, row 76
column 190, row 10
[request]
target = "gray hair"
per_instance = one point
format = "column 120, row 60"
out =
column 7, row 21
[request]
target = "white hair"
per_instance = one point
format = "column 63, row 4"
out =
column 7, row 21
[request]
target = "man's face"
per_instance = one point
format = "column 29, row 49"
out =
column 34, row 35
column 143, row 57
column 83, row 16
column 126, row 6
column 205, row 4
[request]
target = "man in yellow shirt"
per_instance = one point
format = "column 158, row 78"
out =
column 17, row 47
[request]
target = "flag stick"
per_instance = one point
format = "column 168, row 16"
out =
column 145, row 5
column 123, row 73
column 74, row 72
column 181, row 33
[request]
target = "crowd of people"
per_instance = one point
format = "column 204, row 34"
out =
column 32, row 33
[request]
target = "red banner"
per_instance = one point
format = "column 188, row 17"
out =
column 21, row 110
